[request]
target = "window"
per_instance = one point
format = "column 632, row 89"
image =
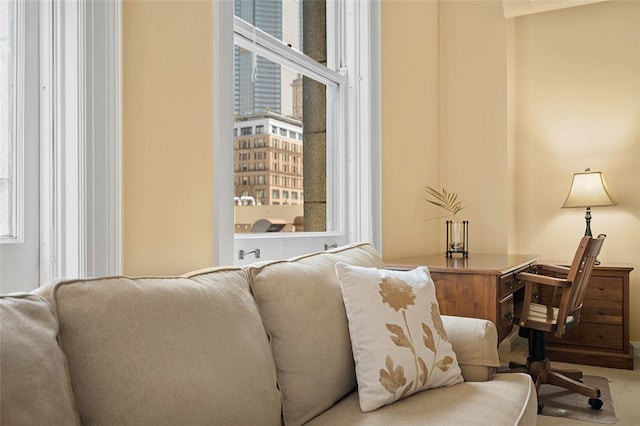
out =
column 11, row 62
column 259, row 129
column 275, row 78
column 275, row 193
column 64, row 105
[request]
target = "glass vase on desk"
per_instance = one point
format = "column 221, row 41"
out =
column 457, row 238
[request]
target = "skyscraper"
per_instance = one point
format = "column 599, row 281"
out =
column 261, row 85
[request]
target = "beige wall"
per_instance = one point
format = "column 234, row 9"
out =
column 410, row 149
column 578, row 106
column 501, row 111
column 523, row 104
column 167, row 68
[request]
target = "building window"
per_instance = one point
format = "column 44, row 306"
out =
column 259, row 129
column 274, row 130
column 245, row 131
column 275, row 193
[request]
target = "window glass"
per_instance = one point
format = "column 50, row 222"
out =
column 7, row 115
column 271, row 92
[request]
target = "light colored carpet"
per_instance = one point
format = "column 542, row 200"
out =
column 559, row 402
column 624, row 386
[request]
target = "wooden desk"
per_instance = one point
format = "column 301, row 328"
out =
column 480, row 286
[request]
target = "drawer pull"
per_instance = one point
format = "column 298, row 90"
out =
column 600, row 335
column 509, row 284
column 601, row 312
column 509, row 316
column 601, row 288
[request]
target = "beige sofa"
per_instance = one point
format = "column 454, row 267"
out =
column 266, row 344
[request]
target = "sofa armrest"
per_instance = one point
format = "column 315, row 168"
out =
column 475, row 343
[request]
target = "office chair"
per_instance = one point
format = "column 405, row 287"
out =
column 538, row 314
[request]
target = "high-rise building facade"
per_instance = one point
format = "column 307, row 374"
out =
column 262, row 85
column 268, row 160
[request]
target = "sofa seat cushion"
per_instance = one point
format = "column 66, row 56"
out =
column 507, row 399
column 302, row 308
column 34, row 380
column 168, row 351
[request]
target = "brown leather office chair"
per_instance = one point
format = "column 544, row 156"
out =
column 556, row 309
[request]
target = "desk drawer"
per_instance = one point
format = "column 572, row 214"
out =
column 509, row 284
column 601, row 335
column 505, row 322
column 602, row 311
column 604, row 288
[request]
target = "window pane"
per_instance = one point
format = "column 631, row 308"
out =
column 6, row 120
column 281, row 19
column 271, row 184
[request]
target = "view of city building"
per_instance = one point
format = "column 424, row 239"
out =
column 268, row 130
column 268, row 160
column 262, row 85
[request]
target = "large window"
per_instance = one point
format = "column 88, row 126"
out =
column 59, row 141
column 280, row 82
column 11, row 62
column 302, row 69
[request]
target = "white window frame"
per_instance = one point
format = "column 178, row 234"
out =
column 358, row 30
column 16, row 150
column 79, row 139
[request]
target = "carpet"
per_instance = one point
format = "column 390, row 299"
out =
column 560, row 402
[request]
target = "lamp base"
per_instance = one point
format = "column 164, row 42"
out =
column 587, row 218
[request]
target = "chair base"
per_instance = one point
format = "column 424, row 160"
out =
column 538, row 366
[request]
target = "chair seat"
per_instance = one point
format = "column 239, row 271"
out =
column 542, row 314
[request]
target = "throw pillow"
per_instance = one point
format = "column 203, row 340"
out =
column 398, row 340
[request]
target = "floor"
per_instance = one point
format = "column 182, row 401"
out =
column 624, row 386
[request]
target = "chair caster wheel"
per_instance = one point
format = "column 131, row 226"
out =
column 595, row 403
column 540, row 407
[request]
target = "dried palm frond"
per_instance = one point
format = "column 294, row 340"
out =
column 443, row 199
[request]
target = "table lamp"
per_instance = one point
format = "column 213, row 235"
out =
column 588, row 189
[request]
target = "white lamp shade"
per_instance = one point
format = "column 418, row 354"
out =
column 588, row 189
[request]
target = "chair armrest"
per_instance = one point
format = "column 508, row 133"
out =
column 543, row 279
column 545, row 267
column 475, row 343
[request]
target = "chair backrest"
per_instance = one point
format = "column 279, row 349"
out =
column 579, row 275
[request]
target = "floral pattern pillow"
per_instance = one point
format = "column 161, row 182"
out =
column 399, row 343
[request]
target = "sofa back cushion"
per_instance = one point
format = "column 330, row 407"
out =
column 168, row 351
column 301, row 304
column 34, row 380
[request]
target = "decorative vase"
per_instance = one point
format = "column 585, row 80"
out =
column 457, row 238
